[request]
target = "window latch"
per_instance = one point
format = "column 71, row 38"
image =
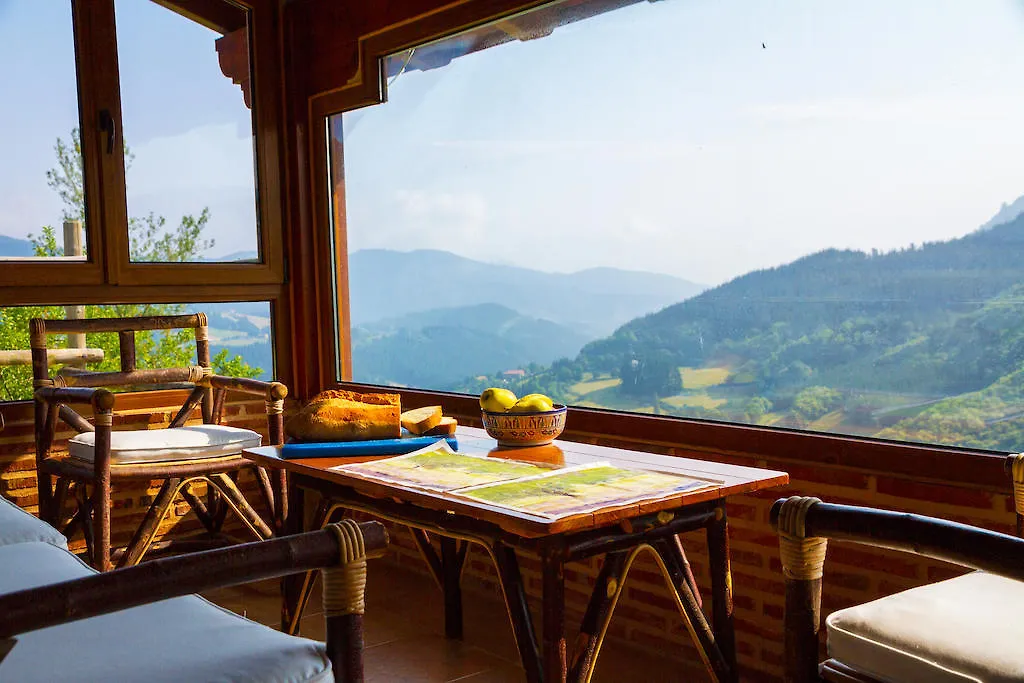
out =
column 108, row 126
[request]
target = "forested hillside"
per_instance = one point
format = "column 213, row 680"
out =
column 924, row 343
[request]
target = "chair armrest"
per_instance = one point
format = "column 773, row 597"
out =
column 930, row 537
column 99, row 399
column 90, row 596
column 271, row 391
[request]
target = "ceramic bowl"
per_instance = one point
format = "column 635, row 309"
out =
column 525, row 429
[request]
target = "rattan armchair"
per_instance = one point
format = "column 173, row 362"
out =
column 961, row 629
column 100, row 458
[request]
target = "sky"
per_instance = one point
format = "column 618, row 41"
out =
column 663, row 137
column 660, row 137
column 184, row 121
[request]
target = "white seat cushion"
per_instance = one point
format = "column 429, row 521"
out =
column 182, row 639
column 18, row 526
column 161, row 445
column 964, row 629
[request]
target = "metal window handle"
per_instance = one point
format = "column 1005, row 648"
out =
column 108, row 126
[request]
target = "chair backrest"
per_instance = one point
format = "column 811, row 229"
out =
column 129, row 375
column 126, row 328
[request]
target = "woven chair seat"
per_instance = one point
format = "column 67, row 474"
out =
column 141, row 446
column 963, row 629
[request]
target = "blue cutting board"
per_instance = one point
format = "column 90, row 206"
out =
column 342, row 449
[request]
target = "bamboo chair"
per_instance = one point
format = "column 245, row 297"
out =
column 341, row 550
column 99, row 458
column 961, row 629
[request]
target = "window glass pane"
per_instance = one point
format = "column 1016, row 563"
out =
column 188, row 132
column 40, row 165
column 240, row 341
column 804, row 216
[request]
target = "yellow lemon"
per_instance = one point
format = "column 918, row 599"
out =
column 495, row 400
column 532, row 403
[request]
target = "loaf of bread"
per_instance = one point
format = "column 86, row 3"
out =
column 340, row 415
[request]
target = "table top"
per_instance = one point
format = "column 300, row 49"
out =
column 734, row 480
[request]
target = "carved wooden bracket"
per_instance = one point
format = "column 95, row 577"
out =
column 233, row 54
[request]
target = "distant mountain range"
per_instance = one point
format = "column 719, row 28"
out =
column 12, row 246
column 440, row 347
column 388, row 284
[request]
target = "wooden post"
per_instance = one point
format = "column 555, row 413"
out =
column 553, row 610
column 721, row 588
column 803, row 559
column 451, row 579
column 73, row 247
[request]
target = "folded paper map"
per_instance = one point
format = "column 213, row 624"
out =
column 577, row 490
column 524, row 487
column 439, row 468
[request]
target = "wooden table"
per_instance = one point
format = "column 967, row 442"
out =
column 618, row 534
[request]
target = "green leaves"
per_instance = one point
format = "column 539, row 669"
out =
column 150, row 241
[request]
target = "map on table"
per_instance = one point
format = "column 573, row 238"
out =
column 581, row 489
column 525, row 487
column 439, row 468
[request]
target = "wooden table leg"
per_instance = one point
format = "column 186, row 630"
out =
column 452, row 574
column 669, row 553
column 553, row 607
column 602, row 599
column 293, row 523
column 518, row 611
column 721, row 588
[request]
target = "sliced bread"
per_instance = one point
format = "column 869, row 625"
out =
column 420, row 420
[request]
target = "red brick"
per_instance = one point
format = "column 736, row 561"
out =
column 857, row 582
column 935, row 493
column 747, row 558
column 756, row 629
column 773, row 611
column 742, row 511
column 881, row 561
column 747, row 582
column 820, row 474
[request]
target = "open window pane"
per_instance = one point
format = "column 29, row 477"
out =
column 40, row 162
column 805, row 215
column 185, row 97
column 241, row 343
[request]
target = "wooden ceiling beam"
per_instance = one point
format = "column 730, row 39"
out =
column 216, row 15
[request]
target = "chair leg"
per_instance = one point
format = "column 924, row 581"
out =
column 44, row 490
column 268, row 492
column 240, row 505
column 101, row 525
column 144, row 535
column 85, row 519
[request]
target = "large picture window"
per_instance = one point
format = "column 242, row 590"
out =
column 805, row 217
column 131, row 174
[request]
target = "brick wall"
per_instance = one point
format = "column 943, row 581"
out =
column 153, row 410
column 646, row 616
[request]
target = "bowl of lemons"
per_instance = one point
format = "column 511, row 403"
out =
column 532, row 420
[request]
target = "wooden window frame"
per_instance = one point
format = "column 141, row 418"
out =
column 108, row 276
column 694, row 437
column 108, row 263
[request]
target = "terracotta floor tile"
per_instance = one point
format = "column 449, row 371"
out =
column 404, row 634
column 426, row 658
